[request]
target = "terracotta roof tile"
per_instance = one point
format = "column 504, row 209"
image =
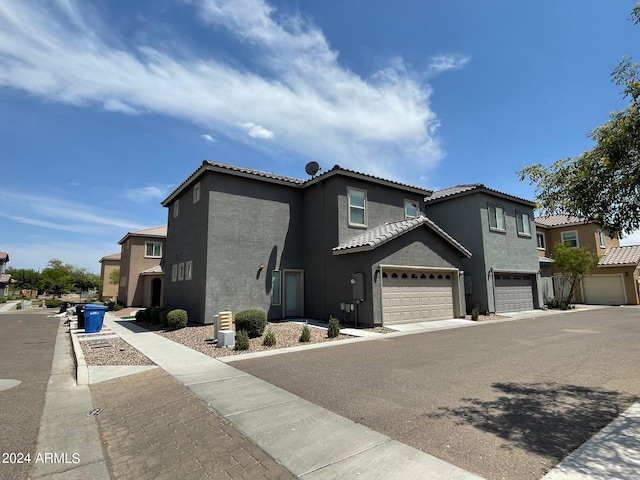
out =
column 470, row 187
column 616, row 256
column 558, row 220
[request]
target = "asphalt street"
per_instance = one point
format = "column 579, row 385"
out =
column 27, row 340
column 502, row 399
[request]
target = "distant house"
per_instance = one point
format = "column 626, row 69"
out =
column 343, row 244
column 615, row 279
column 141, row 273
column 5, row 278
column 502, row 275
column 108, row 265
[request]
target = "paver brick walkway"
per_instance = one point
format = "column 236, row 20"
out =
column 153, row 427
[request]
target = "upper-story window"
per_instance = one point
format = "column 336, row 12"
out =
column 524, row 224
column 542, row 243
column 357, row 207
column 196, row 192
column 176, row 208
column 601, row 239
column 411, row 209
column 496, row 218
column 570, row 238
column 153, row 249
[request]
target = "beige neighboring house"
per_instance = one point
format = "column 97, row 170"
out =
column 5, row 278
column 141, row 273
column 615, row 279
column 109, row 264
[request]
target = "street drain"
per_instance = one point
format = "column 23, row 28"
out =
column 94, row 412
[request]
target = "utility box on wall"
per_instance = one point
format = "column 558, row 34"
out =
column 357, row 284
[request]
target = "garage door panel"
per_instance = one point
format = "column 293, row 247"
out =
column 604, row 290
column 513, row 293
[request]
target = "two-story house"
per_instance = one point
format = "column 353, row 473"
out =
column 615, row 279
column 141, row 273
column 5, row 278
column 108, row 265
column 341, row 244
column 503, row 275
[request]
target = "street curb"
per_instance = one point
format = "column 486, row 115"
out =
column 82, row 370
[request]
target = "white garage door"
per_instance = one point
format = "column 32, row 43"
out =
column 514, row 292
column 416, row 296
column 604, row 290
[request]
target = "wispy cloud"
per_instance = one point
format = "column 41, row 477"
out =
column 294, row 84
column 444, row 63
column 208, row 137
column 150, row 193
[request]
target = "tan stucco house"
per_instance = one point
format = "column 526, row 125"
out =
column 109, row 264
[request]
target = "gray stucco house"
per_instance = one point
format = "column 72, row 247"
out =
column 503, row 275
column 341, row 244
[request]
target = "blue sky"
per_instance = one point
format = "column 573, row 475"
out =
column 105, row 107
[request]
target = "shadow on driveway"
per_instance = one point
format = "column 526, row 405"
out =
column 548, row 419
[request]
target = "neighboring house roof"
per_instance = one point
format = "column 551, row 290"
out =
column 158, row 232
column 113, row 257
column 4, row 257
column 382, row 234
column 5, row 278
column 467, row 189
column 621, row 256
column 220, row 167
column 546, row 260
column 551, row 221
column 153, row 270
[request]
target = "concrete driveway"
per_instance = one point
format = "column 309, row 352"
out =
column 502, row 400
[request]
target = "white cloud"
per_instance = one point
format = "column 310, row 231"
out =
column 208, row 137
column 632, row 238
column 446, row 62
column 150, row 193
column 257, row 131
column 382, row 124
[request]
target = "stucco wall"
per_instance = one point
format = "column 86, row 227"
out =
column 109, row 290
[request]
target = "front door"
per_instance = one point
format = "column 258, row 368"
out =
column 293, row 294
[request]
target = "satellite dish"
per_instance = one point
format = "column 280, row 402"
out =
column 312, row 168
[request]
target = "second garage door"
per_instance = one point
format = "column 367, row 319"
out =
column 416, row 296
column 513, row 292
column 604, row 290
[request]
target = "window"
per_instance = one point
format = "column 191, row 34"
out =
column 570, row 238
column 188, row 274
column 275, row 288
column 174, row 272
column 357, row 206
column 410, row 209
column 196, row 192
column 176, row 207
column 601, row 238
column 496, row 218
column 524, row 225
column 542, row 244
column 180, row 272
column 153, row 249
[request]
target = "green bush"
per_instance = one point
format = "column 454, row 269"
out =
column 163, row 317
column 251, row 321
column 334, row 328
column 3, row 299
column 140, row 316
column 305, row 336
column 242, row 340
column 154, row 315
column 269, row 339
column 475, row 313
column 53, row 303
column 114, row 306
column 19, row 306
column 177, row 318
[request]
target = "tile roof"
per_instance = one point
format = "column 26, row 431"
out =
column 160, row 231
column 153, row 270
column 377, row 236
column 546, row 260
column 5, row 278
column 439, row 195
column 338, row 169
column 114, row 256
column 4, row 256
column 617, row 256
column 558, row 220
column 251, row 171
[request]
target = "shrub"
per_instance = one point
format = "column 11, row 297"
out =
column 3, row 299
column 475, row 313
column 177, row 318
column 242, row 340
column 154, row 315
column 269, row 339
column 114, row 306
column 163, row 317
column 53, row 303
column 19, row 306
column 251, row 321
column 334, row 328
column 140, row 315
column 305, row 336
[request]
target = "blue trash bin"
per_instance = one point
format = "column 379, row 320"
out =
column 93, row 317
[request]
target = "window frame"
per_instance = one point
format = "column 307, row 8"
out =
column 544, row 241
column 574, row 232
column 413, row 203
column 197, row 192
column 601, row 238
column 176, row 208
column 520, row 222
column 188, row 270
column 181, row 271
column 146, row 249
column 363, row 208
column 497, row 228
column 174, row 272
column 276, row 300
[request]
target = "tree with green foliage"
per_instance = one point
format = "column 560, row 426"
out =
column 601, row 185
column 25, row 278
column 114, row 277
column 574, row 263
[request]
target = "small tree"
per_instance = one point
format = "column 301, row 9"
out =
column 114, row 277
column 574, row 264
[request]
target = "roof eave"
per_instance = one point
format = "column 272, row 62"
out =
column 368, row 178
